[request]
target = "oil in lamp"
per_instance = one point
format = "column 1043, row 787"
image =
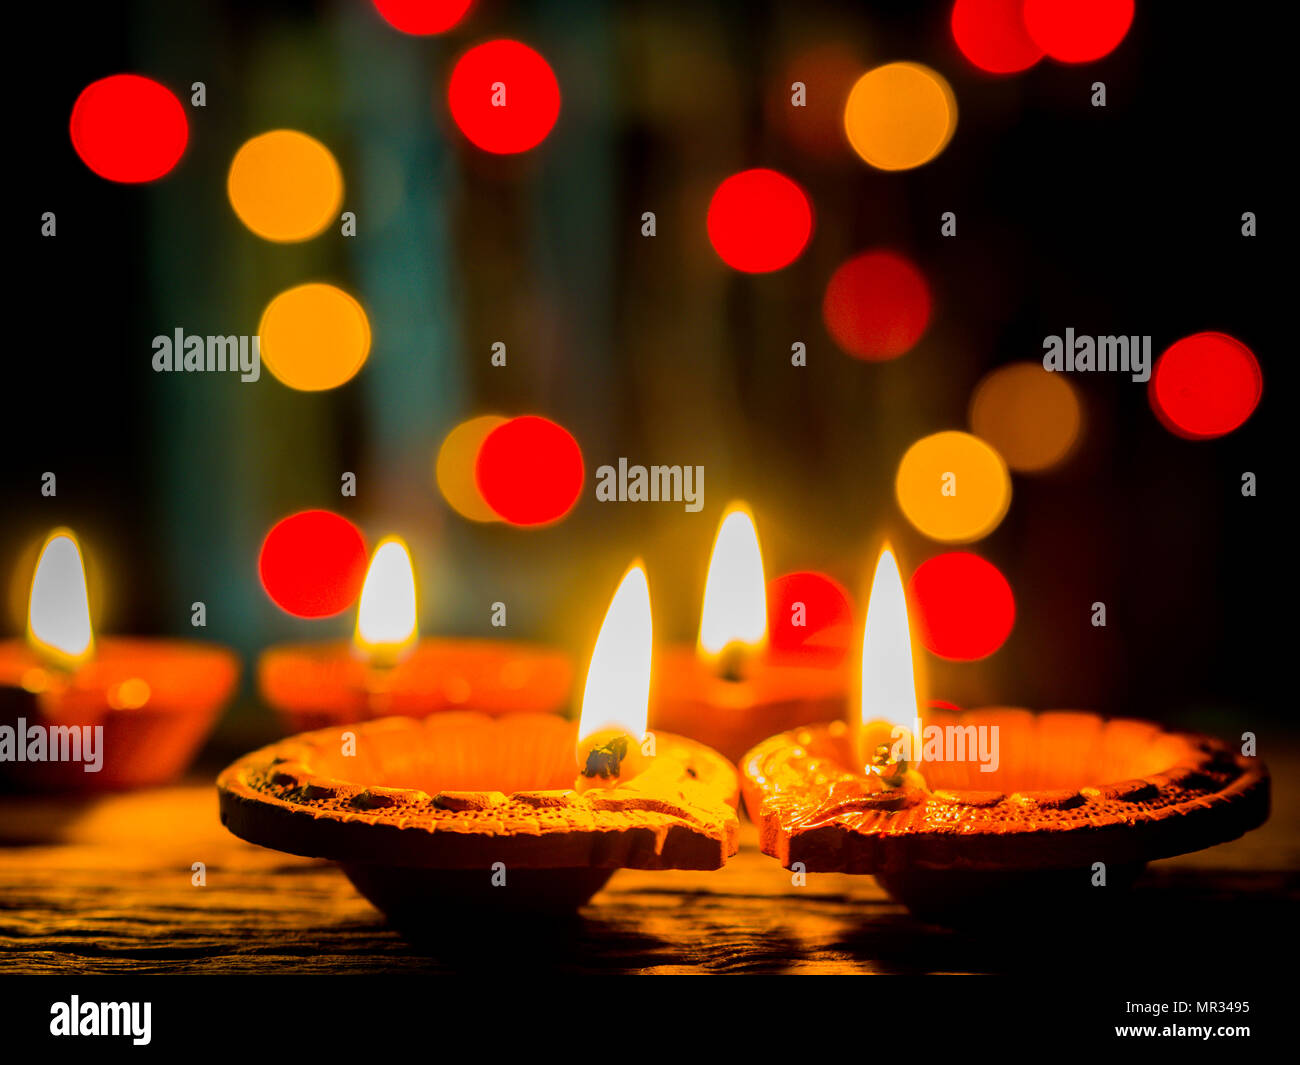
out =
column 466, row 811
column 1073, row 796
column 387, row 669
column 138, row 709
column 727, row 691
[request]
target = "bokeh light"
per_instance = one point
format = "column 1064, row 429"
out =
column 422, row 17
column 992, row 35
column 285, row 185
column 530, row 471
column 1031, row 416
column 313, row 563
column 877, row 305
column 1078, row 31
column 962, row 606
column 759, row 220
column 129, row 128
column 314, row 337
column 1205, row 385
column 822, row 605
column 454, row 469
column 953, row 487
column 504, row 97
column 827, row 72
column 900, row 115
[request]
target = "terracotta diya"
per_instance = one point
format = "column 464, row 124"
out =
column 728, row 691
column 138, row 708
column 957, row 844
column 387, row 669
column 493, row 812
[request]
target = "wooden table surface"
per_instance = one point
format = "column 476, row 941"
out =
column 104, row 886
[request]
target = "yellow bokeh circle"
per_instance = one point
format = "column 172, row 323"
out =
column 314, row 337
column 1030, row 415
column 900, row 115
column 953, row 487
column 285, row 186
column 455, row 467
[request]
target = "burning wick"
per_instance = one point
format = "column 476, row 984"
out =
column 733, row 623
column 608, row 759
column 887, row 748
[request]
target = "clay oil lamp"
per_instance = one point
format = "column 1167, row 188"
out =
column 728, row 691
column 88, row 714
column 1073, row 801
column 497, row 813
column 386, row 669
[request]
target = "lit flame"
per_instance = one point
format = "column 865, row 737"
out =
column 888, row 681
column 735, row 596
column 58, row 612
column 386, row 624
column 617, row 694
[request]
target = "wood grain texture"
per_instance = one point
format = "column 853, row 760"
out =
column 104, row 887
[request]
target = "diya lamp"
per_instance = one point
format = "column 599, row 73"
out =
column 728, row 691
column 87, row 714
column 960, row 839
column 387, row 669
column 473, row 812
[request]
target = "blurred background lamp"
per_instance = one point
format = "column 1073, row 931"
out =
column 963, row 606
column 454, row 469
column 129, row 128
column 1032, row 416
column 877, row 305
column 1078, row 31
column 759, row 221
column 504, row 97
column 992, row 35
column 953, row 487
column 530, row 471
column 314, row 337
column 422, row 17
column 285, row 186
column 900, row 115
column 1205, row 385
column 313, row 563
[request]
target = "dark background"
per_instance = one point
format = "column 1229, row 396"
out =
column 1117, row 220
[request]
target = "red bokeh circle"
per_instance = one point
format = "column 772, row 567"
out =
column 963, row 606
column 759, row 221
column 1205, row 385
column 313, row 564
column 422, row 17
column 531, row 102
column 877, row 305
column 992, row 35
column 827, row 633
column 1078, row 31
column 129, row 128
column 529, row 471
